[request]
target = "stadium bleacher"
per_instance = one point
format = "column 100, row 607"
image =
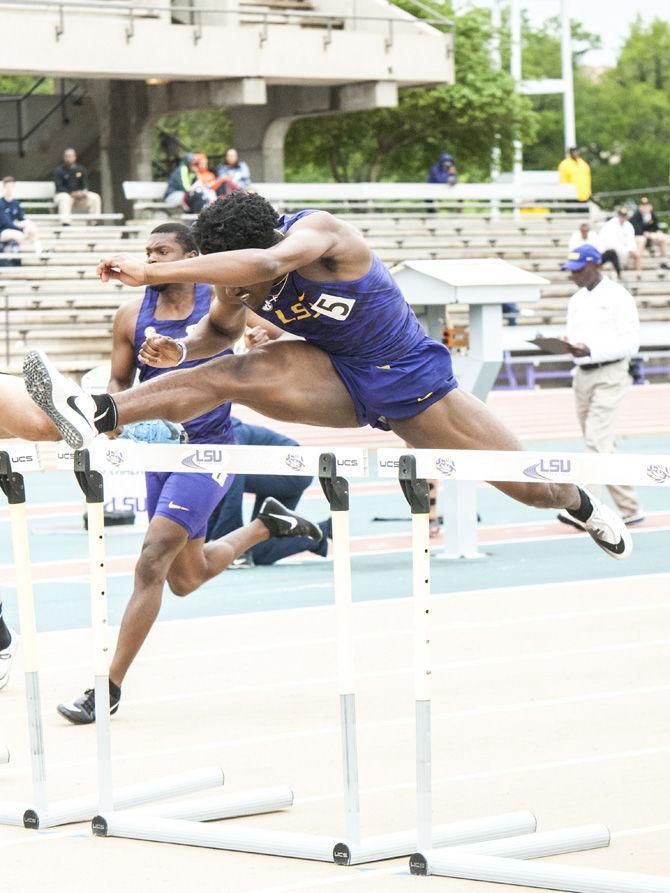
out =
column 54, row 300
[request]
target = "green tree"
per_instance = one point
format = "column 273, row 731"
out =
column 17, row 85
column 623, row 119
column 401, row 144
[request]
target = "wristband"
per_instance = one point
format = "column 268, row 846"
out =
column 184, row 351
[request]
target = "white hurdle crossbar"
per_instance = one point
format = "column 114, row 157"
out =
column 502, row 861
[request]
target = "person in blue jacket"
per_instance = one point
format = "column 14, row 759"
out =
column 444, row 171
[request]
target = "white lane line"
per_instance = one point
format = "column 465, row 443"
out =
column 283, row 644
column 330, row 680
column 637, row 832
column 43, row 837
column 308, row 562
column 398, row 722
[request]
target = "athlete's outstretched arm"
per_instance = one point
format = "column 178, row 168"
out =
column 250, row 266
column 215, row 332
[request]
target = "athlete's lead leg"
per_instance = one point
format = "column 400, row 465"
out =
column 285, row 380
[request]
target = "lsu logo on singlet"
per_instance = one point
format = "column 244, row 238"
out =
column 333, row 306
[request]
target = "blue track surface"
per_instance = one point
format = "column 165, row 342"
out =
column 64, row 604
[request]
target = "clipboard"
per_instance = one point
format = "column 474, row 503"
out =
column 550, row 345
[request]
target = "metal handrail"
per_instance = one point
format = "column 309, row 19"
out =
column 138, row 10
column 21, row 135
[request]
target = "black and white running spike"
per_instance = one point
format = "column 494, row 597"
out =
column 281, row 521
column 81, row 712
column 70, row 409
column 605, row 527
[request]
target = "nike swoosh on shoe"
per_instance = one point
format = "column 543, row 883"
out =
column 292, row 521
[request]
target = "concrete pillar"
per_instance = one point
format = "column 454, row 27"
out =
column 122, row 109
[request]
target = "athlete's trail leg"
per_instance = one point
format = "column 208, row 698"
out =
column 168, row 554
column 459, row 421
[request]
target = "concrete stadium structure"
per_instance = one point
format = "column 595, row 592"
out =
column 269, row 63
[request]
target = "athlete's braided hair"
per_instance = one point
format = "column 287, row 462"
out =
column 241, row 220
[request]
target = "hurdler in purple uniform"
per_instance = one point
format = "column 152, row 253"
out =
column 364, row 359
column 179, row 504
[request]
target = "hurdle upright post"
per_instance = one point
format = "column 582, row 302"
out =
column 336, row 491
column 13, row 487
column 92, row 486
column 417, row 493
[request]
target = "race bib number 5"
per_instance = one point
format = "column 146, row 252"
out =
column 334, row 306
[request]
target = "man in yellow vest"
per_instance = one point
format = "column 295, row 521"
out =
column 575, row 170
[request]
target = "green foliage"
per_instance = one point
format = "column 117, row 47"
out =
column 401, row 144
column 624, row 119
column 205, row 130
column 17, row 85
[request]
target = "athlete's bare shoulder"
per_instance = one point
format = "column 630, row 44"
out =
column 349, row 256
column 125, row 318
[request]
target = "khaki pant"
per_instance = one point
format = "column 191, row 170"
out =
column 65, row 205
column 599, row 394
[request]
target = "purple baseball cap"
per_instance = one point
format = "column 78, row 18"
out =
column 580, row 257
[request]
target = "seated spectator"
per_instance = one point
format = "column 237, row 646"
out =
column 14, row 228
column 237, row 171
column 618, row 235
column 647, row 231
column 586, row 236
column 444, row 171
column 72, row 192
column 287, row 488
column 185, row 187
column 181, row 180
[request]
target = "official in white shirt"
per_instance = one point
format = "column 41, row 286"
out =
column 618, row 235
column 603, row 333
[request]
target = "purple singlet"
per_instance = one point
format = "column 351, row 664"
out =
column 187, row 498
column 390, row 367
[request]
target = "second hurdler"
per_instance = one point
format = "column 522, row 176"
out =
column 364, row 360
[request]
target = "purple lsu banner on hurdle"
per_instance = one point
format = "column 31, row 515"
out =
column 562, row 468
column 116, row 455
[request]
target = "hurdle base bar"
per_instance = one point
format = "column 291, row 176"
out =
column 319, row 848
column 222, row 806
column 525, row 846
column 546, row 876
column 82, row 809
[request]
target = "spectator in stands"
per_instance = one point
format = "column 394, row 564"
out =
column 14, row 228
column 618, row 235
column 72, row 192
column 443, row 171
column 181, row 180
column 237, row 170
column 586, row 236
column 603, row 334
column 185, row 187
column 573, row 169
column 648, row 233
column 287, row 488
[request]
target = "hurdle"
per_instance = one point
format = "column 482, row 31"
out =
column 40, row 812
column 503, row 861
column 171, row 826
